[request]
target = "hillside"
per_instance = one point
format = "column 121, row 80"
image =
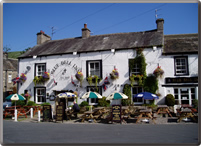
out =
column 14, row 55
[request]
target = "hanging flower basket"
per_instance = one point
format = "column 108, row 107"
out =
column 41, row 79
column 114, row 74
column 46, row 76
column 79, row 76
column 23, row 77
column 134, row 78
column 93, row 79
column 158, row 72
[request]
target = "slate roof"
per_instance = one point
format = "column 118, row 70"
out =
column 10, row 64
column 97, row 43
column 180, row 44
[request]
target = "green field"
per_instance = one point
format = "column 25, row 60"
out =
column 14, row 55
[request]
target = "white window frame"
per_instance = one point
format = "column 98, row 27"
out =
column 189, row 94
column 94, row 69
column 178, row 63
column 134, row 69
column 43, row 66
column 9, row 78
column 41, row 96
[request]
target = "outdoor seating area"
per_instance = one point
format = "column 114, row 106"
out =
column 130, row 114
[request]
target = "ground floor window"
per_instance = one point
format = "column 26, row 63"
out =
column 98, row 89
column 136, row 90
column 184, row 95
column 40, row 95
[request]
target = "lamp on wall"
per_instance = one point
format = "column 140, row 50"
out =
column 34, row 56
column 154, row 48
column 74, row 53
column 113, row 51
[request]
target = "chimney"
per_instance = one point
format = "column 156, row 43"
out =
column 42, row 37
column 85, row 31
column 160, row 23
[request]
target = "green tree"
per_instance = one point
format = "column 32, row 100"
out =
column 6, row 49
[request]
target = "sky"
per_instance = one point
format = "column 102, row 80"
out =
column 22, row 21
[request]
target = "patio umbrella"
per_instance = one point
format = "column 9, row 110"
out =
column 91, row 95
column 66, row 95
column 146, row 96
column 116, row 96
column 15, row 97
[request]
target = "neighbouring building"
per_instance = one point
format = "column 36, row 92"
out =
column 100, row 55
column 10, row 71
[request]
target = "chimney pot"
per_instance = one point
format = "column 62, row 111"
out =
column 85, row 31
column 42, row 37
column 85, row 25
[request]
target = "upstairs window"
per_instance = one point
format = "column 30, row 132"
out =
column 40, row 68
column 181, row 65
column 135, row 70
column 94, row 68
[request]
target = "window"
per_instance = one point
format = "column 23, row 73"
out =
column 98, row 89
column 40, row 69
column 184, row 95
column 135, row 70
column 10, row 78
column 40, row 95
column 136, row 90
column 181, row 65
column 94, row 68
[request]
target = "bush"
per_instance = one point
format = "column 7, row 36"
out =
column 195, row 103
column 170, row 100
column 46, row 103
column 103, row 102
column 151, row 84
column 84, row 103
column 126, row 91
column 31, row 103
column 19, row 102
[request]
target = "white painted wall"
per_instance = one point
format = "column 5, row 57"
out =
column 109, row 60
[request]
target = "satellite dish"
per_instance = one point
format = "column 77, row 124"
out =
column 28, row 68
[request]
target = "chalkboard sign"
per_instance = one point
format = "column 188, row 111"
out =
column 59, row 113
column 47, row 113
column 116, row 113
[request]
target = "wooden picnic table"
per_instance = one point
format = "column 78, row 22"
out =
column 145, row 114
column 11, row 111
column 163, row 109
column 88, row 115
column 70, row 113
column 185, row 113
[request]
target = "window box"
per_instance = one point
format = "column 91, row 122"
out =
column 138, row 78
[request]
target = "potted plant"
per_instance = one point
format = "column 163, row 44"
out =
column 41, row 79
column 114, row 74
column 93, row 79
column 158, row 72
column 79, row 77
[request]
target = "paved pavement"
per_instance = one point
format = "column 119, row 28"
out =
column 79, row 133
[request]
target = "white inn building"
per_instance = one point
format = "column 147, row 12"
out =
column 177, row 55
